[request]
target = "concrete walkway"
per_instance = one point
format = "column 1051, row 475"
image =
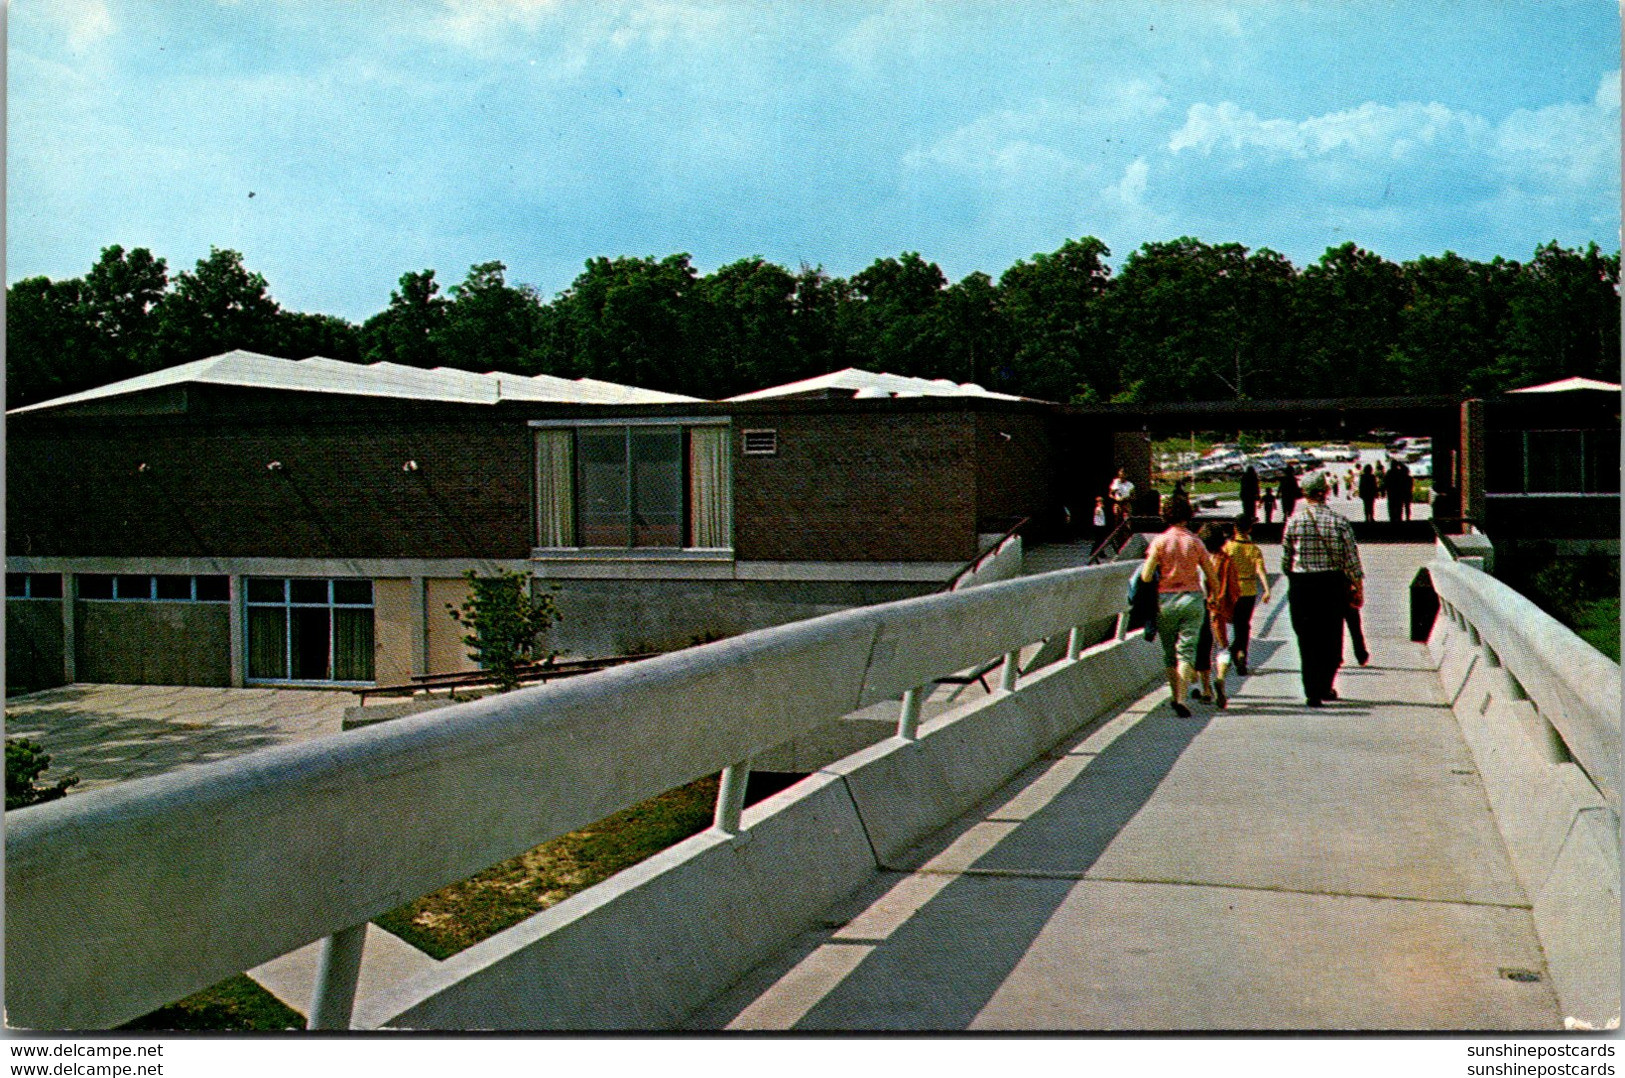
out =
column 1264, row 867
column 113, row 733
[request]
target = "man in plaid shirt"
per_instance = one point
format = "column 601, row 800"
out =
column 1321, row 563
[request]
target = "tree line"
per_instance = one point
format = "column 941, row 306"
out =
column 1179, row 320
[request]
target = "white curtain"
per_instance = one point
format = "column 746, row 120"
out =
column 711, row 489
column 555, row 502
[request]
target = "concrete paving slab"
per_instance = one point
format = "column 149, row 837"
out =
column 1097, row 955
column 113, row 733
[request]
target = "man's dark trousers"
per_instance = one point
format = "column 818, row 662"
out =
column 1316, row 602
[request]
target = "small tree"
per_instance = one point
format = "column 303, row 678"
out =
column 25, row 762
column 502, row 622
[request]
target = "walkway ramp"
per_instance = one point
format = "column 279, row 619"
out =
column 1264, row 867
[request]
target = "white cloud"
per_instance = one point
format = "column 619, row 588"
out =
column 79, row 24
column 1369, row 131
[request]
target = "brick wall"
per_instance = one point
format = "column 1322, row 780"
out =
column 1016, row 466
column 857, row 485
column 76, row 489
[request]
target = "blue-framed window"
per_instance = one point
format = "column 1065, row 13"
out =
column 33, row 585
column 309, row 630
column 153, row 587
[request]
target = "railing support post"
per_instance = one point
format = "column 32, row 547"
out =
column 1012, row 668
column 908, row 719
column 731, row 796
column 336, row 974
column 1074, row 642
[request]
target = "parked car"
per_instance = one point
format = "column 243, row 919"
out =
column 1337, row 453
column 1423, row 468
column 1409, row 449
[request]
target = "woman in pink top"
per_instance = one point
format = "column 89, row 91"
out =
column 1179, row 563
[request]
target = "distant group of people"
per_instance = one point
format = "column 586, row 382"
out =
column 1198, row 591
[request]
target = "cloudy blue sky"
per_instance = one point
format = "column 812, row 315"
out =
column 380, row 137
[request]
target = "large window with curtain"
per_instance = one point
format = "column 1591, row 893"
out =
column 633, row 486
column 310, row 630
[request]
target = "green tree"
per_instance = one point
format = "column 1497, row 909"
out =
column 894, row 325
column 1053, row 304
column 219, row 306
column 1194, row 321
column 1562, row 319
column 1452, row 324
column 408, row 330
column 502, row 623
column 628, row 320
column 489, row 325
column 50, row 348
column 1349, row 306
column 747, row 334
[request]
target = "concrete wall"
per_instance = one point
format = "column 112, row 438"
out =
column 136, row 643
column 617, row 617
column 33, row 644
column 1560, row 830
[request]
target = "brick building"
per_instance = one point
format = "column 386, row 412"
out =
column 249, row 520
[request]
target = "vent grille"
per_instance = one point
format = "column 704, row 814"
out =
column 761, row 443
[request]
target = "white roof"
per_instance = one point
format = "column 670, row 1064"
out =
column 874, row 386
column 1565, row 384
column 321, row 375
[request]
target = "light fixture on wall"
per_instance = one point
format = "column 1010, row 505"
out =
column 143, row 468
column 410, row 466
column 274, row 466
column 1003, row 435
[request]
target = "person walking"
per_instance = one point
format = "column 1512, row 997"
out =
column 1290, row 493
column 1407, row 490
column 1321, row 562
column 1351, row 618
column 1393, row 485
column 1178, row 563
column 1249, row 491
column 1179, row 495
column 1252, row 586
column 1368, row 493
column 1268, row 501
column 1213, row 643
column 1121, row 493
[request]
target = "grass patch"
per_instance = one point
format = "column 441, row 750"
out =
column 459, row 916
column 1597, row 623
column 236, row 1003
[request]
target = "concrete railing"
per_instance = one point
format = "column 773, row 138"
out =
column 126, row 898
column 1539, row 708
column 1573, row 686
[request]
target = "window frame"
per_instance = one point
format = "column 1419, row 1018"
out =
column 288, row 605
column 684, row 426
column 151, row 595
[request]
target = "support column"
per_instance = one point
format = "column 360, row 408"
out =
column 337, row 972
column 420, row 626
column 238, row 592
column 908, row 719
column 70, row 629
column 731, row 797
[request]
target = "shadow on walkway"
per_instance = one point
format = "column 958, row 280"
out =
column 950, row 956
